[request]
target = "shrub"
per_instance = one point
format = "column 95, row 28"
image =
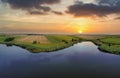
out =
column 9, row 39
column 34, row 42
column 64, row 41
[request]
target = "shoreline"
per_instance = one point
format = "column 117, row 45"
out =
column 54, row 49
column 33, row 50
column 59, row 42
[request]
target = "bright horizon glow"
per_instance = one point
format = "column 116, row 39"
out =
column 80, row 31
column 18, row 20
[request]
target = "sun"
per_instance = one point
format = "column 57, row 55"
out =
column 80, row 31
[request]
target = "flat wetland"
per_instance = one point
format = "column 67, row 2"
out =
column 48, row 43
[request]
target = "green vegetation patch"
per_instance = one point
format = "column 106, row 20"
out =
column 57, row 42
column 2, row 39
column 109, row 44
column 8, row 39
column 111, row 40
column 115, row 49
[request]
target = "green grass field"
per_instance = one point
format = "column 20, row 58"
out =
column 56, row 42
column 111, row 40
column 110, row 44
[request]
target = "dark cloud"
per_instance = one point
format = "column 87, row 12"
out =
column 37, row 13
column 58, row 13
column 107, row 2
column 118, row 18
column 101, row 8
column 32, row 6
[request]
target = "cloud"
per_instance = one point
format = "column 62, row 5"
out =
column 58, row 13
column 118, row 18
column 32, row 6
column 100, row 8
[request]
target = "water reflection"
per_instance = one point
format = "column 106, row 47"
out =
column 81, row 60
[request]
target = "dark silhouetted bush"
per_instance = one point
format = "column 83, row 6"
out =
column 34, row 42
column 9, row 39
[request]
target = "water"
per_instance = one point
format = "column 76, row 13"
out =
column 83, row 60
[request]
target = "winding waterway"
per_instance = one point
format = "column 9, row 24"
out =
column 83, row 60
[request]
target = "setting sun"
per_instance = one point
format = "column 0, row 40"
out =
column 80, row 31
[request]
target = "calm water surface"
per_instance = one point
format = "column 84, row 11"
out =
column 83, row 60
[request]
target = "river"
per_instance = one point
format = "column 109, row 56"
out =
column 83, row 60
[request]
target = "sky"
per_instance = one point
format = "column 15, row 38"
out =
column 60, row 16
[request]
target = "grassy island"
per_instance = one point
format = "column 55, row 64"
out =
column 40, row 43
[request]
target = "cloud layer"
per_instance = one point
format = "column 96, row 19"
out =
column 79, row 9
column 32, row 6
column 100, row 8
